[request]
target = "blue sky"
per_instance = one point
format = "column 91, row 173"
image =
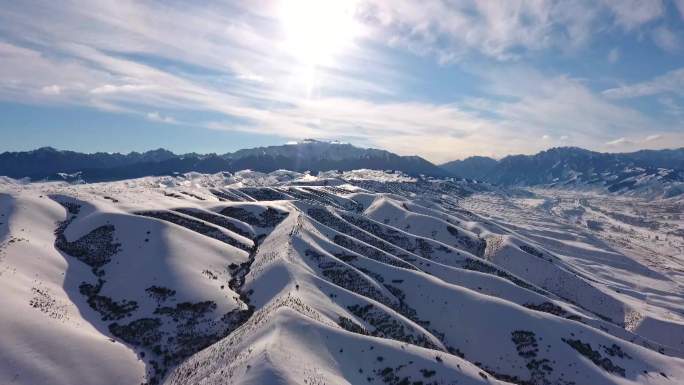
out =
column 441, row 79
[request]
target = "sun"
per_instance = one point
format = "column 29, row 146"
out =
column 317, row 31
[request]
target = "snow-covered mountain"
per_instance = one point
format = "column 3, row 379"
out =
column 308, row 155
column 340, row 278
column 646, row 172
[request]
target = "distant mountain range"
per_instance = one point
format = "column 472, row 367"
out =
column 657, row 172
column 308, row 155
column 661, row 171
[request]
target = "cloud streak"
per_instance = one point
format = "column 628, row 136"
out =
column 670, row 82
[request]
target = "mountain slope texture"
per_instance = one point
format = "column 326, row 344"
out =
column 360, row 277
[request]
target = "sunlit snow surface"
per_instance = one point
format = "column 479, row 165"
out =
column 339, row 278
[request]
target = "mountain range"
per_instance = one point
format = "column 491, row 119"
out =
column 661, row 170
column 308, row 155
column 651, row 172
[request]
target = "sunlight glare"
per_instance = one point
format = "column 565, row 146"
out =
column 318, row 30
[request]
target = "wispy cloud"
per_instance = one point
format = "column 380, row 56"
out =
column 618, row 142
column 504, row 29
column 670, row 82
column 634, row 13
column 157, row 117
column 666, row 39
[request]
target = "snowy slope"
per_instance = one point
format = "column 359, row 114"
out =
column 290, row 278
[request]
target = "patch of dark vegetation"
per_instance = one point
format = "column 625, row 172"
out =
column 192, row 195
column 532, row 251
column 616, row 351
column 334, row 200
column 159, row 293
column 594, row 225
column 475, row 246
column 420, row 246
column 355, row 239
column 218, row 220
column 337, row 190
column 72, row 208
column 487, row 268
column 346, row 277
column 353, row 233
column 44, row 301
column 547, row 307
column 187, row 312
column 320, row 197
column 268, row 218
column 196, row 226
column 349, row 325
column 109, row 309
column 386, row 326
column 525, row 343
column 421, row 186
column 264, row 193
column 596, row 357
column 238, row 272
column 196, row 327
column 95, row 249
column 528, row 349
column 141, row 332
column 226, row 196
column 172, row 195
column 346, row 257
column 393, row 376
column 178, row 331
column 370, row 252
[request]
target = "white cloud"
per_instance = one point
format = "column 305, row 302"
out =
column 633, row 13
column 112, row 89
column 51, row 90
column 618, row 142
column 503, row 29
column 157, row 117
column 670, row 82
column 667, row 40
column 636, row 142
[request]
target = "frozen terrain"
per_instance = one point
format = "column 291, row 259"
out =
column 341, row 278
column 633, row 247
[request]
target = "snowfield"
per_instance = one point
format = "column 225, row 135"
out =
column 360, row 277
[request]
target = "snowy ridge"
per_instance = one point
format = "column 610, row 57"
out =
column 289, row 278
column 646, row 173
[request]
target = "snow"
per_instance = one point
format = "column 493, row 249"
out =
column 337, row 278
